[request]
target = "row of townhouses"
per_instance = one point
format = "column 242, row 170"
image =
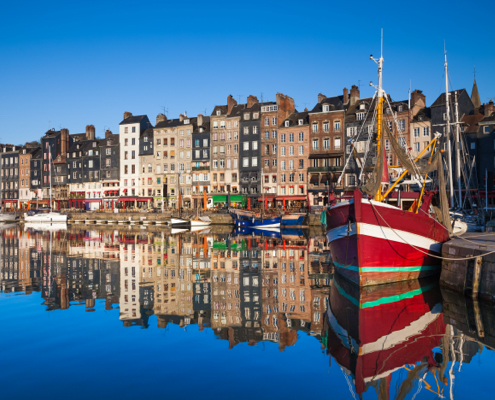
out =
column 242, row 154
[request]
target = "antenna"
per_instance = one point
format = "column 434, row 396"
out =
column 165, row 110
column 381, row 53
column 474, row 72
column 261, row 97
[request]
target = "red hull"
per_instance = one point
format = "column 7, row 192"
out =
column 374, row 243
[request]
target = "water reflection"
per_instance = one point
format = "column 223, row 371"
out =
column 247, row 286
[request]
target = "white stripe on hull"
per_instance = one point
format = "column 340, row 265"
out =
column 264, row 226
column 386, row 233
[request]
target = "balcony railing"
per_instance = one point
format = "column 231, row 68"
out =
column 325, row 169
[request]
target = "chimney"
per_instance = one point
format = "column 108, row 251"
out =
column 418, row 101
column 90, row 132
column 285, row 106
column 321, row 97
column 231, row 102
column 305, row 109
column 181, row 117
column 160, row 118
column 251, row 101
column 346, row 95
column 64, row 142
column 200, row 119
column 108, row 132
column 489, row 108
column 354, row 95
column 127, row 114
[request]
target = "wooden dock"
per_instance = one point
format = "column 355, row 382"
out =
column 470, row 265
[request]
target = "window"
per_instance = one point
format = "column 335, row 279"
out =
column 337, row 143
column 326, row 108
column 402, row 124
column 287, row 124
column 416, row 132
column 282, row 165
column 301, row 164
column 133, row 154
column 315, row 144
column 274, row 121
column 291, row 150
column 246, row 130
column 291, row 164
column 267, row 121
column 254, row 161
column 274, row 149
column 291, row 137
column 486, row 130
column 133, row 141
column 416, row 147
column 245, row 146
column 314, row 127
column 274, row 134
column 336, row 126
column 325, row 126
column 282, row 138
column 245, row 162
column 282, row 151
column 255, row 145
column 326, row 144
column 360, row 116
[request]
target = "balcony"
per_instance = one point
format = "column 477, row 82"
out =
column 200, row 168
column 325, row 169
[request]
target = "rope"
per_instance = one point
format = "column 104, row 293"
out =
column 424, row 252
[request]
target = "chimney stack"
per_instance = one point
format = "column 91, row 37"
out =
column 251, row 101
column 160, row 118
column 64, row 142
column 231, row 102
column 108, row 132
column 346, row 95
column 321, row 97
column 418, row 101
column 90, row 132
column 285, row 106
column 181, row 117
column 354, row 95
column 489, row 108
column 127, row 114
column 200, row 120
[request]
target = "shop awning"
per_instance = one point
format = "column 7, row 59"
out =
column 268, row 197
column 10, row 201
column 236, row 198
column 144, row 198
column 291, row 197
column 324, row 179
column 127, row 199
column 124, row 191
column 314, row 179
column 92, row 200
column 219, row 199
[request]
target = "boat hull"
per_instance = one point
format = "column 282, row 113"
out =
column 292, row 220
column 4, row 217
column 45, row 218
column 258, row 222
column 196, row 222
column 375, row 243
column 177, row 221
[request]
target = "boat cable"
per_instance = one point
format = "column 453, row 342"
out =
column 425, row 252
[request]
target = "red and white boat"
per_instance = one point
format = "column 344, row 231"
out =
column 373, row 242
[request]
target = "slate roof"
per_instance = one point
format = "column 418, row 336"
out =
column 237, row 110
column 336, row 103
column 223, row 110
column 471, row 122
column 440, row 101
column 205, row 126
column 488, row 120
column 423, row 115
column 135, row 119
column 169, row 123
column 294, row 119
column 148, row 131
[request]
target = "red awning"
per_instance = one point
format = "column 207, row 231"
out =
column 92, row 201
column 124, row 191
column 106, row 191
column 144, row 198
column 291, row 197
column 127, row 199
column 268, row 197
column 10, row 201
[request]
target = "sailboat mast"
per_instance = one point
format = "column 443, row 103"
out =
column 379, row 119
column 50, row 176
column 447, row 132
column 458, row 150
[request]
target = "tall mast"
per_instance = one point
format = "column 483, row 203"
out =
column 458, row 150
column 379, row 119
column 447, row 132
column 50, row 176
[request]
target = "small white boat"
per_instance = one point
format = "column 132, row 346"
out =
column 178, row 221
column 201, row 221
column 8, row 217
column 40, row 217
column 55, row 226
column 175, row 231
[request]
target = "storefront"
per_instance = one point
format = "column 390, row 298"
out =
column 9, row 204
column 135, row 202
column 92, row 204
column 292, row 201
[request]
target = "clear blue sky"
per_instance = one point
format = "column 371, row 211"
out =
column 70, row 64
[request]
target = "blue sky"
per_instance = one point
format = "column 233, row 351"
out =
column 70, row 64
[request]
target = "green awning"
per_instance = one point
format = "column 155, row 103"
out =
column 219, row 245
column 219, row 199
column 236, row 198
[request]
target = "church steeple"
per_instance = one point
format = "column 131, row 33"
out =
column 475, row 96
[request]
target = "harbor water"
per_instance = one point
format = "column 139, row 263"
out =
column 133, row 313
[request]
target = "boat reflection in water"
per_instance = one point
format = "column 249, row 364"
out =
column 377, row 330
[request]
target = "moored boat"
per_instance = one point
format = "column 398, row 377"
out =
column 252, row 219
column 44, row 217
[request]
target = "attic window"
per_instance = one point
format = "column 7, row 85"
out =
column 326, row 108
column 463, row 128
column 421, row 118
column 255, row 115
column 200, row 130
column 219, row 112
column 287, row 124
column 94, row 144
column 400, row 108
column 146, row 138
column 388, row 111
column 300, row 122
column 361, row 106
column 186, row 121
column 246, row 116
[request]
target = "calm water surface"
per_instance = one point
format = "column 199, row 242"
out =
column 100, row 314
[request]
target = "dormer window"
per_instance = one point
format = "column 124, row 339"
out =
column 255, row 115
column 286, row 124
column 421, row 118
column 94, row 144
column 400, row 108
column 388, row 111
column 200, row 130
column 246, row 116
column 300, row 122
column 186, row 121
column 361, row 106
column 326, row 108
column 219, row 112
column 146, row 138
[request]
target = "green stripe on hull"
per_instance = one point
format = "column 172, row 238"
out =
column 388, row 269
column 383, row 300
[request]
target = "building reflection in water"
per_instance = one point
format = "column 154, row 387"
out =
column 250, row 286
